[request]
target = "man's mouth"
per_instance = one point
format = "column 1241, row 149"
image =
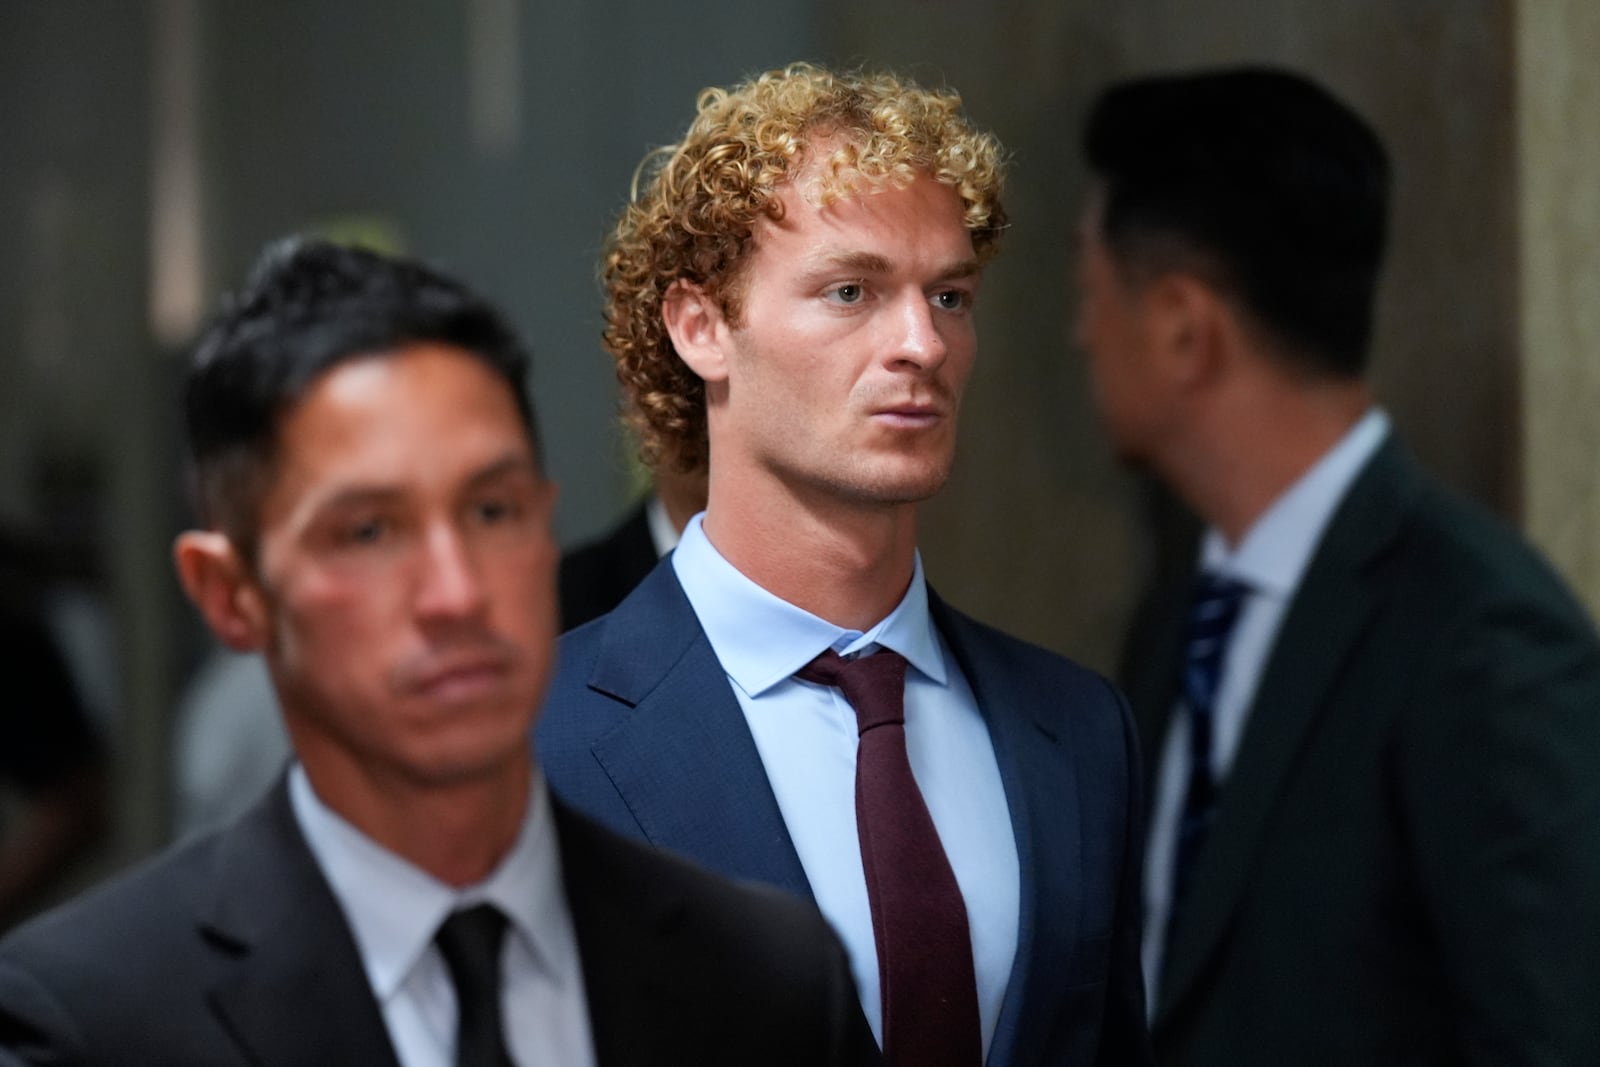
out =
column 460, row 677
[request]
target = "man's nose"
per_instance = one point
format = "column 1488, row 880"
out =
column 917, row 337
column 448, row 585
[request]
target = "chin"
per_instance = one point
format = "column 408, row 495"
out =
column 903, row 487
column 477, row 744
column 471, row 764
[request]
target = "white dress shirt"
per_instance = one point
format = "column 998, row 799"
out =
column 1270, row 559
column 806, row 735
column 394, row 910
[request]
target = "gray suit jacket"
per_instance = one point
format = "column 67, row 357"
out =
column 232, row 950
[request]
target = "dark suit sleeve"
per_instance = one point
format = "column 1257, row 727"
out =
column 34, row 1028
column 1499, row 766
column 850, row 1038
column 1125, row 1040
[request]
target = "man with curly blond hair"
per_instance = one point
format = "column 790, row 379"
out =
column 791, row 302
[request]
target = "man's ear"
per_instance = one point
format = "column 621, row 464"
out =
column 1191, row 326
column 218, row 581
column 698, row 329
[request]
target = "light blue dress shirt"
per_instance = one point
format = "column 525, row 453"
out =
column 1270, row 559
column 806, row 735
column 394, row 909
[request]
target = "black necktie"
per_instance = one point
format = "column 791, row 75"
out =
column 470, row 943
column 919, row 921
column 1212, row 614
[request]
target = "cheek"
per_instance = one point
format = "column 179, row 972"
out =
column 527, row 588
column 336, row 619
column 962, row 347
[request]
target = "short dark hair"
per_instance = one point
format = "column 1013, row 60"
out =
column 307, row 306
column 1264, row 181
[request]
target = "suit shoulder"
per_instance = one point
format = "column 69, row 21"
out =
column 1465, row 556
column 164, row 885
column 118, row 936
column 634, row 869
column 986, row 648
column 735, row 928
column 1061, row 696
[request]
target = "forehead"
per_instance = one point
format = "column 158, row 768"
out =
column 417, row 413
column 822, row 217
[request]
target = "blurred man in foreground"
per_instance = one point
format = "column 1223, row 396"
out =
column 378, row 527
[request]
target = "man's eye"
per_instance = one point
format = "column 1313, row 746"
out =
column 493, row 510
column 366, row 532
column 951, row 299
column 848, row 293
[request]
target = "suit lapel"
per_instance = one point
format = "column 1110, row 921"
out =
column 1042, row 801
column 291, row 988
column 684, row 761
column 634, row 986
column 1323, row 625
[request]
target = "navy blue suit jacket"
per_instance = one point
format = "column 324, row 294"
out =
column 643, row 732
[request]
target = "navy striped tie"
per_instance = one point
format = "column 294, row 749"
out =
column 1212, row 615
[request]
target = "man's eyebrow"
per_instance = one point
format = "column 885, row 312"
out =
column 858, row 262
column 512, row 463
column 873, row 263
column 368, row 495
column 966, row 268
column 354, row 497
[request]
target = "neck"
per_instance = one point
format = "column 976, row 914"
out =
column 1250, row 448
column 457, row 832
column 847, row 563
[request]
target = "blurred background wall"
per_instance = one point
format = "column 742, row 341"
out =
column 151, row 147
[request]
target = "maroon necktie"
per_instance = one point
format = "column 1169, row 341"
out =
column 919, row 921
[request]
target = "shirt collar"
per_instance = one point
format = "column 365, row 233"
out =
column 663, row 535
column 762, row 640
column 1276, row 550
column 394, row 908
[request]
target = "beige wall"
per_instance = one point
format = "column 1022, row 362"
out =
column 1558, row 141
column 1039, row 531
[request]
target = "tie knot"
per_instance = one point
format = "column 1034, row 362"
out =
column 470, row 942
column 1212, row 614
column 874, row 685
column 1214, row 609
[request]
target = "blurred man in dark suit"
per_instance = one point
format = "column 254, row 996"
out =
column 596, row 575
column 1372, row 717
column 378, row 527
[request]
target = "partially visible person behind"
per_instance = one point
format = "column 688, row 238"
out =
column 791, row 309
column 1372, row 712
column 53, row 776
column 377, row 526
column 596, row 575
column 228, row 741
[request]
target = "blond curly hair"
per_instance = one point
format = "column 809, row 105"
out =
column 695, row 205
